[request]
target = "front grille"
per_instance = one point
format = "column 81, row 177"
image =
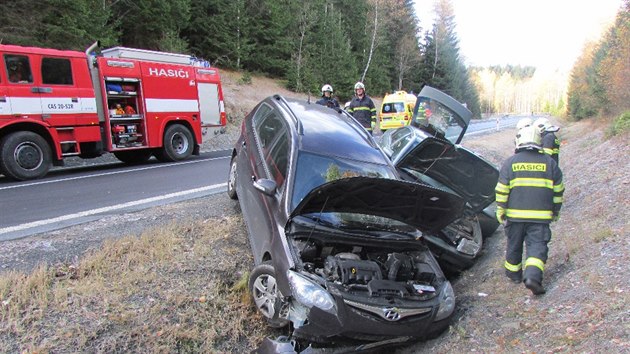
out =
column 389, row 313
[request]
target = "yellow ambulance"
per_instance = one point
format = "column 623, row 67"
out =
column 396, row 110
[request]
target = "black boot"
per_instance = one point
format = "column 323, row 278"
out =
column 514, row 277
column 534, row 286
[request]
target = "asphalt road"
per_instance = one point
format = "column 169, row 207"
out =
column 72, row 196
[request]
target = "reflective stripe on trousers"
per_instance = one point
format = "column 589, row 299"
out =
column 535, row 237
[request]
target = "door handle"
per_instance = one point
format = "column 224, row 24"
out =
column 75, row 99
column 3, row 99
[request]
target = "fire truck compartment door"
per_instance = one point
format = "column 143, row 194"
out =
column 209, row 105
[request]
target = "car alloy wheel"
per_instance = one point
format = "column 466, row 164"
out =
column 267, row 297
column 231, row 184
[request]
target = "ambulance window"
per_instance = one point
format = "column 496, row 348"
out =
column 18, row 69
column 56, row 71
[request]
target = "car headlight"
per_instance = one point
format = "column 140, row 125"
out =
column 447, row 302
column 468, row 247
column 310, row 294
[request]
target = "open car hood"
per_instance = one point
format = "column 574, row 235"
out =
column 455, row 167
column 426, row 208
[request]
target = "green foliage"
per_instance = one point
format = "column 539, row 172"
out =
column 152, row 24
column 600, row 81
column 620, row 125
column 62, row 24
column 441, row 65
column 306, row 43
column 246, row 78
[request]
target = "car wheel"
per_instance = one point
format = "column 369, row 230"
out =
column 178, row 144
column 267, row 297
column 231, row 184
column 24, row 155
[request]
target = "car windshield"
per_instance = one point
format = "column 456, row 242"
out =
column 439, row 119
column 313, row 170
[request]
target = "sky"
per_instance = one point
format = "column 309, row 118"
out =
column 547, row 34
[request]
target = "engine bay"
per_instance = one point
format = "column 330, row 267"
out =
column 375, row 272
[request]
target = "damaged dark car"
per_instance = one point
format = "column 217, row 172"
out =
column 428, row 152
column 337, row 236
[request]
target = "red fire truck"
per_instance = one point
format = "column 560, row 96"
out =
column 133, row 103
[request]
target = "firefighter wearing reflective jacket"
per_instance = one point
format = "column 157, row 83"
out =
column 529, row 197
column 362, row 107
column 550, row 142
column 327, row 99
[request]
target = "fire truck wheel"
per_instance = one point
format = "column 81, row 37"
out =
column 24, row 155
column 231, row 184
column 133, row 156
column 178, row 144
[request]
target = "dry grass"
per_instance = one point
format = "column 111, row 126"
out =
column 164, row 291
column 585, row 309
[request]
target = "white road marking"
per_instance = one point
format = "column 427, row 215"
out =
column 107, row 209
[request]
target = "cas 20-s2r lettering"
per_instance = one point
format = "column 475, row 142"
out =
column 60, row 106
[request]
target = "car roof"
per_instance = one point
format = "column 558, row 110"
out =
column 333, row 132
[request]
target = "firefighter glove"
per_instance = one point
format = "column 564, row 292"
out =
column 500, row 216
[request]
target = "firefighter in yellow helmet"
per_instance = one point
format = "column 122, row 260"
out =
column 550, row 142
column 529, row 197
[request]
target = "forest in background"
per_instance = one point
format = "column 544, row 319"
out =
column 600, row 80
column 340, row 42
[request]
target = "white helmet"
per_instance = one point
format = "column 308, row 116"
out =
column 524, row 122
column 359, row 85
column 327, row 88
column 544, row 125
column 528, row 137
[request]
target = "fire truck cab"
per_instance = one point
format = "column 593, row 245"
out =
column 133, row 103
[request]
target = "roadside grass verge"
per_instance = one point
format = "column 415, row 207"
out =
column 172, row 289
column 586, row 276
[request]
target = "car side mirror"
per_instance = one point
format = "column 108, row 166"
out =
column 266, row 186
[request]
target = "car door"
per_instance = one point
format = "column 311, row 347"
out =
column 22, row 91
column 61, row 104
column 5, row 103
column 264, row 155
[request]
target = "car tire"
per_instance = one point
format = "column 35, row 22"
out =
column 24, row 155
column 231, row 184
column 178, row 144
column 267, row 298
